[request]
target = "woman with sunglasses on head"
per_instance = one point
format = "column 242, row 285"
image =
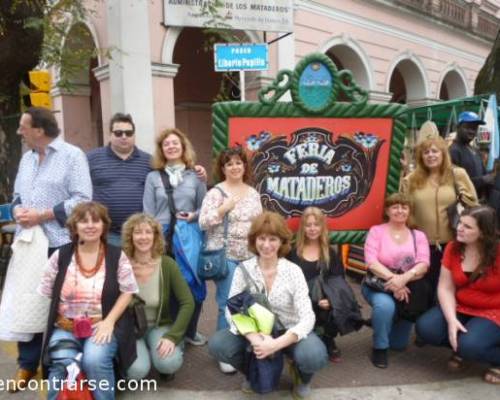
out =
column 314, row 255
column 91, row 284
column 431, row 189
column 235, row 199
column 467, row 318
column 159, row 281
column 173, row 164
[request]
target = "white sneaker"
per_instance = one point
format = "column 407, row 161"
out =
column 226, row 368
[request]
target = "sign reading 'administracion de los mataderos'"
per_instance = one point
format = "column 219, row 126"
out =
column 260, row 15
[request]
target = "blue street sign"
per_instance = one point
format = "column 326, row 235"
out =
column 241, row 57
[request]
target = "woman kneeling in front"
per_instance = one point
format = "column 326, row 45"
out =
column 286, row 290
column 91, row 284
column 468, row 315
column 160, row 281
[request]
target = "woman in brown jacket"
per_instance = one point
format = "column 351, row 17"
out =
column 431, row 188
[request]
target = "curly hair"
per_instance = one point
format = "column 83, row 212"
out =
column 485, row 218
column 225, row 156
column 188, row 155
column 419, row 177
column 324, row 242
column 273, row 224
column 127, row 235
column 97, row 212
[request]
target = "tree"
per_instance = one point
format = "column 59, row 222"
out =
column 32, row 33
column 488, row 79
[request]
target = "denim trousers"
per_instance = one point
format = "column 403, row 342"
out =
column 96, row 362
column 480, row 343
column 147, row 355
column 309, row 354
column 387, row 332
column 222, row 293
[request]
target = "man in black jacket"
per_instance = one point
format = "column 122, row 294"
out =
column 465, row 156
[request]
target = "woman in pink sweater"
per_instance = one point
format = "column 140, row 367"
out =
column 398, row 255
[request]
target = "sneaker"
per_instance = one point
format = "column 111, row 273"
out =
column 198, row 340
column 245, row 386
column 301, row 391
column 379, row 358
column 226, row 368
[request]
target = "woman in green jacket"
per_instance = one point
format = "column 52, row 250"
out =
column 158, row 277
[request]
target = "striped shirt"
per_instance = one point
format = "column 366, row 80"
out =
column 118, row 183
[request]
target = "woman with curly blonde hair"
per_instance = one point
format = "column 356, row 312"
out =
column 431, row 189
column 173, row 194
column 158, row 278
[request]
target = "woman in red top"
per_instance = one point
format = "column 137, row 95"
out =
column 468, row 315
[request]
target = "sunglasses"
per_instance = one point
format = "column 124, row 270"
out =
column 120, row 133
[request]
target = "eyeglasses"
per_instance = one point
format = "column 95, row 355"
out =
column 120, row 133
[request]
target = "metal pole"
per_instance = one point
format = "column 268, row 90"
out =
column 242, row 85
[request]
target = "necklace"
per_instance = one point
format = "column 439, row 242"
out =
column 86, row 272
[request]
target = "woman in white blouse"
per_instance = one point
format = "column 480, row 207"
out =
column 235, row 199
column 286, row 290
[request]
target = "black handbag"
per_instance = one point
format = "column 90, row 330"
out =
column 263, row 374
column 139, row 313
column 454, row 210
column 212, row 263
column 378, row 284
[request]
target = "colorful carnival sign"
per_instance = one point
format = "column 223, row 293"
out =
column 342, row 157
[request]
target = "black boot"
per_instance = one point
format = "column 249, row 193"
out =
column 379, row 358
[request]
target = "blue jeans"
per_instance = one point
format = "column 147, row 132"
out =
column 147, row 354
column 309, row 354
column 387, row 333
column 481, row 342
column 222, row 292
column 97, row 364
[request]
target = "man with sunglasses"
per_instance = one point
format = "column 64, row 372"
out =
column 118, row 172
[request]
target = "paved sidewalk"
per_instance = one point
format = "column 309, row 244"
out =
column 417, row 373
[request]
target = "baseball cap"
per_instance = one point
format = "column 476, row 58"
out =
column 469, row 116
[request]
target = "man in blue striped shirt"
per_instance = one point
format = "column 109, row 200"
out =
column 118, row 172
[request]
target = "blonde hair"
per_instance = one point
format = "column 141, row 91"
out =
column 188, row 155
column 324, row 243
column 128, row 230
column 419, row 177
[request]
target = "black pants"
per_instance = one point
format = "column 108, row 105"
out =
column 435, row 268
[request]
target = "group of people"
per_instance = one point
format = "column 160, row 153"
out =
column 122, row 225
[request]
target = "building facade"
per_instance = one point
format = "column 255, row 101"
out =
column 408, row 51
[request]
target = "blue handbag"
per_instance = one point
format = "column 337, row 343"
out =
column 212, row 263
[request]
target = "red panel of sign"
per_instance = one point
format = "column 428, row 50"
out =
column 337, row 164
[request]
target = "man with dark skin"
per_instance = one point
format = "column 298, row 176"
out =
column 465, row 156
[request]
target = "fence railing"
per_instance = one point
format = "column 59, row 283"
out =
column 457, row 13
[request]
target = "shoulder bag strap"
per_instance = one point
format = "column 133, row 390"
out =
column 248, row 280
column 414, row 237
column 455, row 186
column 171, row 205
column 225, row 221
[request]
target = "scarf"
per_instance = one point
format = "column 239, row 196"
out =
column 175, row 173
